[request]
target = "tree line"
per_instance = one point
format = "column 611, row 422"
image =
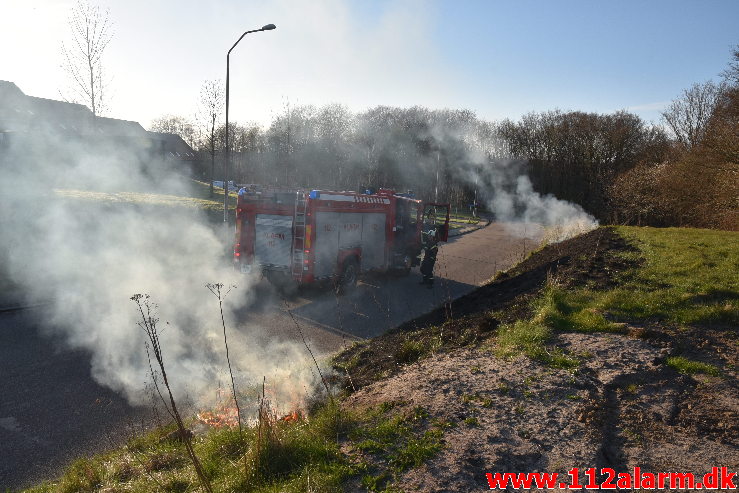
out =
column 616, row 166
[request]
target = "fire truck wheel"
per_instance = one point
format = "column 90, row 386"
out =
column 348, row 278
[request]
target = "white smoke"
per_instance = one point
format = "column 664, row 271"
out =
column 72, row 236
column 501, row 182
column 513, row 200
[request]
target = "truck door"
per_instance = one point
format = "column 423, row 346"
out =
column 405, row 226
column 273, row 240
column 437, row 216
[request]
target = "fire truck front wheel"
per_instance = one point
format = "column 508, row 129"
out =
column 348, row 278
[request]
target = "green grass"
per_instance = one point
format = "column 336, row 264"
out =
column 690, row 276
column 396, row 443
column 292, row 458
column 477, row 398
column 459, row 220
column 530, row 336
column 690, row 367
column 410, row 350
column 196, row 195
column 687, row 277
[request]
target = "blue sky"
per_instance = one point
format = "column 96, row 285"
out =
column 590, row 55
column 499, row 58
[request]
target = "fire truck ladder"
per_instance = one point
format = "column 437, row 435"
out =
column 299, row 235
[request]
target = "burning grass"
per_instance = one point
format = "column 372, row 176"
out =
column 296, row 454
column 284, row 456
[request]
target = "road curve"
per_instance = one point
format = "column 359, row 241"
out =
column 381, row 302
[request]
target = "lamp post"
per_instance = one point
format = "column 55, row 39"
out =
column 268, row 27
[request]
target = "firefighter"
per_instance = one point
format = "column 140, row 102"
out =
column 430, row 245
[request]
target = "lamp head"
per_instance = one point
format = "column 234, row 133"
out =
column 268, row 27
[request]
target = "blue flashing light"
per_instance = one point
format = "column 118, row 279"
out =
column 314, row 194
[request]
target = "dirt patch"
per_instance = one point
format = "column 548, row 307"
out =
column 622, row 408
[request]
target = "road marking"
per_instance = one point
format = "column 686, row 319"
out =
column 327, row 327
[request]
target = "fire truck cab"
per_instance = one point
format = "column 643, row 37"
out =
column 305, row 237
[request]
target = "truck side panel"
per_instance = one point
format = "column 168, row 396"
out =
column 373, row 240
column 273, row 240
column 350, row 230
column 336, row 231
column 326, row 247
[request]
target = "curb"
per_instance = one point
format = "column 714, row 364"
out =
column 15, row 308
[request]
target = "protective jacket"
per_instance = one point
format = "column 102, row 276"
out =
column 430, row 245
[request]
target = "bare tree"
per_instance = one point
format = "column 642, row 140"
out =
column 731, row 74
column 173, row 124
column 211, row 107
column 688, row 116
column 91, row 33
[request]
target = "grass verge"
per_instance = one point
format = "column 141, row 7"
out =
column 196, row 195
column 291, row 457
column 684, row 279
column 296, row 456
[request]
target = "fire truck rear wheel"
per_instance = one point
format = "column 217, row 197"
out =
column 348, row 278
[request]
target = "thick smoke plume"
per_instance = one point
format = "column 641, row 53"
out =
column 483, row 163
column 72, row 236
column 443, row 155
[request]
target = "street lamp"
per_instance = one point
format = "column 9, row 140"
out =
column 268, row 27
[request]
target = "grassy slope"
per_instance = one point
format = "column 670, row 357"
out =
column 684, row 278
column 688, row 276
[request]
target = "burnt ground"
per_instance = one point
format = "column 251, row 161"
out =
column 591, row 259
column 622, row 407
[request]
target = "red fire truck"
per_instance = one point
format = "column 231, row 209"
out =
column 303, row 237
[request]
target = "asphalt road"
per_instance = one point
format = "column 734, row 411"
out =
column 380, row 303
column 51, row 410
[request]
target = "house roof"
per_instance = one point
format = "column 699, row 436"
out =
column 174, row 145
column 9, row 89
column 119, row 128
column 19, row 112
column 58, row 115
column 12, row 107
